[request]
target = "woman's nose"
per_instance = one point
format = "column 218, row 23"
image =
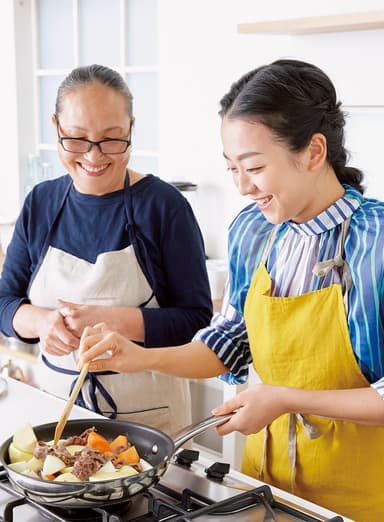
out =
column 244, row 183
column 94, row 153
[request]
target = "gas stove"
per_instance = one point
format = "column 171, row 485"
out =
column 192, row 488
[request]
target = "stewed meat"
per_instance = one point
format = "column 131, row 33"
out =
column 43, row 449
column 88, row 462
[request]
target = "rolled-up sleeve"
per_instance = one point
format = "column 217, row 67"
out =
column 379, row 387
column 227, row 338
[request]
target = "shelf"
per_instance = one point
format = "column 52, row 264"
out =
column 361, row 21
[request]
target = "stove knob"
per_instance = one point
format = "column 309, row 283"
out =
column 186, row 456
column 217, row 471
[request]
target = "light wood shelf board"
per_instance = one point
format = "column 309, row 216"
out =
column 361, row 21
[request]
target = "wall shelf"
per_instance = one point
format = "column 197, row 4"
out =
column 361, row 21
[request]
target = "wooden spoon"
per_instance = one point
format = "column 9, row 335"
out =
column 71, row 401
column 72, row 398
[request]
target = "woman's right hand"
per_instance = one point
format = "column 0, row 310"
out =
column 109, row 350
column 55, row 337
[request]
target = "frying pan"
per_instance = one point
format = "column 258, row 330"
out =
column 153, row 445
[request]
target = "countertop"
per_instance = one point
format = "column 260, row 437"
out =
column 23, row 403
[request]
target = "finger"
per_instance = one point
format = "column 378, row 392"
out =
column 99, row 365
column 67, row 338
column 57, row 347
column 94, row 345
column 65, row 311
column 100, row 327
column 226, row 428
column 227, row 407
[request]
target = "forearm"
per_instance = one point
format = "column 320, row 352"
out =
column 127, row 320
column 193, row 360
column 360, row 405
column 27, row 319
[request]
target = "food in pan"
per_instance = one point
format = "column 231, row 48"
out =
column 81, row 458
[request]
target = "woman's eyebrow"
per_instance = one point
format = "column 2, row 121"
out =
column 244, row 155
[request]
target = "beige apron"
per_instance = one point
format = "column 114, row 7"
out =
column 304, row 342
column 115, row 279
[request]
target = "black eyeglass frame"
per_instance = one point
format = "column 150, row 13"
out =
column 62, row 139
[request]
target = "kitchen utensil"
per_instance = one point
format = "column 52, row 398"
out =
column 153, row 446
column 75, row 392
column 70, row 402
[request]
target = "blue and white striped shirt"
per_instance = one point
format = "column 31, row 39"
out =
column 297, row 248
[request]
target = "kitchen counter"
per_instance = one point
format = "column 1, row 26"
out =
column 24, row 403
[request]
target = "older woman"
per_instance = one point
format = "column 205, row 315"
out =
column 105, row 243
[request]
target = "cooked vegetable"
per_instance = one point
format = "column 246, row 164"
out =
column 98, row 442
column 88, row 456
column 129, row 456
column 119, row 444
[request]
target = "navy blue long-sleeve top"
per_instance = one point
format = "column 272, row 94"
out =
column 169, row 248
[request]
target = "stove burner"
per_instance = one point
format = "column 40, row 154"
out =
column 109, row 512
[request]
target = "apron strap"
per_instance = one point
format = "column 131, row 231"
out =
column 311, row 431
column 94, row 384
column 323, row 267
column 269, row 243
column 137, row 242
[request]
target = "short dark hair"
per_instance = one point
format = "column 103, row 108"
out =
column 93, row 74
column 295, row 100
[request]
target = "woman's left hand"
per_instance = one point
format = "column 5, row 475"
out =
column 255, row 408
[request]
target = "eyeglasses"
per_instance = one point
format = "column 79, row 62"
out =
column 81, row 145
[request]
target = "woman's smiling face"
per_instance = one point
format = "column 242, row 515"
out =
column 94, row 112
column 264, row 169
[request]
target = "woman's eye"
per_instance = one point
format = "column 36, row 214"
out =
column 232, row 169
column 254, row 169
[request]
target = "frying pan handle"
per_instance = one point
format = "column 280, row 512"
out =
column 195, row 429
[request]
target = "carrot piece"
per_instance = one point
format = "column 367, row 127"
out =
column 120, row 441
column 109, row 454
column 128, row 456
column 50, row 477
column 98, row 442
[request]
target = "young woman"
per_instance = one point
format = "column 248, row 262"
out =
column 304, row 302
column 105, row 243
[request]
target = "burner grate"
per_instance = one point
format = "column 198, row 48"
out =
column 164, row 504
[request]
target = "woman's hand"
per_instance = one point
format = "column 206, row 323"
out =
column 255, row 408
column 117, row 352
column 55, row 337
column 77, row 316
column 127, row 320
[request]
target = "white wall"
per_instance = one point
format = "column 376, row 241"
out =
column 8, row 128
column 201, row 54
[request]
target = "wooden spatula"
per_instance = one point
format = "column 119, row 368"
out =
column 72, row 398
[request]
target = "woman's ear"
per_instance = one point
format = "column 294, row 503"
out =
column 317, row 151
column 54, row 120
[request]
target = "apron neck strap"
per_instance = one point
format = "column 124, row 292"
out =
column 269, row 243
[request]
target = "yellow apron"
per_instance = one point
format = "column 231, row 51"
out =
column 304, row 342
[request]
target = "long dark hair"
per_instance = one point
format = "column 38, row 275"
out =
column 93, row 74
column 295, row 100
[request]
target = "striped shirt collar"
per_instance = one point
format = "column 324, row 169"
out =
column 341, row 210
